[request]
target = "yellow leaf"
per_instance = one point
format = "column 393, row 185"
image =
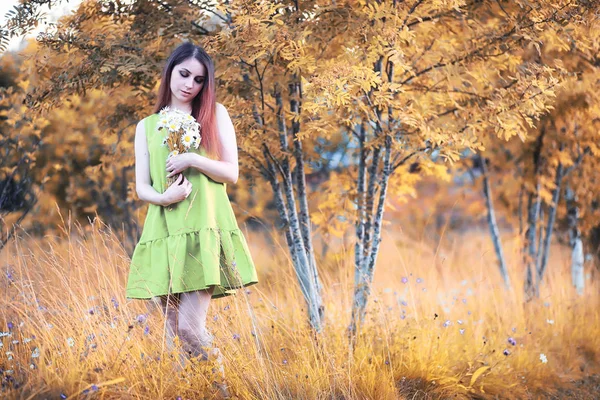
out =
column 477, row 374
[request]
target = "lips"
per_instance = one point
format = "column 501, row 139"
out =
column 186, row 93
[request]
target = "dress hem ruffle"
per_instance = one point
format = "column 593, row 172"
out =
column 229, row 291
column 192, row 260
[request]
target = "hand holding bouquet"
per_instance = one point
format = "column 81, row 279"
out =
column 183, row 132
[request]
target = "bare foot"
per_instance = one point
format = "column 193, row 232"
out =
column 194, row 344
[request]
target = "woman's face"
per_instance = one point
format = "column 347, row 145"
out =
column 187, row 79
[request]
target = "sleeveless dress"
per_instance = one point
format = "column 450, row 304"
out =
column 196, row 244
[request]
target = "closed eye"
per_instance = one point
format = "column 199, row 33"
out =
column 185, row 74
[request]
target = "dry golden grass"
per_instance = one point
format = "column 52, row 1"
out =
column 439, row 334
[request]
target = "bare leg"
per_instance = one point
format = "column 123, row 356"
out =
column 192, row 321
column 196, row 339
column 170, row 307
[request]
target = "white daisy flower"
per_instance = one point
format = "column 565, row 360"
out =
column 543, row 358
column 187, row 140
column 183, row 131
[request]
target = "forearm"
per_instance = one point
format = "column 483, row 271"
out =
column 220, row 171
column 148, row 194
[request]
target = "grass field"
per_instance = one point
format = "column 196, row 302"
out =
column 439, row 325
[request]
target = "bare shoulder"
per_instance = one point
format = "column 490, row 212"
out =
column 220, row 108
column 141, row 125
column 140, row 131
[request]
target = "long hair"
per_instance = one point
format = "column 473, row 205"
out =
column 204, row 104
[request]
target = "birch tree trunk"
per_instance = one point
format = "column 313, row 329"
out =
column 305, row 224
column 549, row 227
column 365, row 264
column 533, row 212
column 302, row 255
column 491, row 218
column 305, row 270
column 368, row 225
column 577, row 256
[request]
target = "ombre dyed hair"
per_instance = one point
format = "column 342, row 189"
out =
column 204, row 104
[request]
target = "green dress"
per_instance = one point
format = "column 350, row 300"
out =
column 196, row 244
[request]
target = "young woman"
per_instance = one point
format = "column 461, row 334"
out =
column 191, row 248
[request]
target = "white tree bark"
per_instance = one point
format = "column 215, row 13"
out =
column 577, row 256
column 491, row 218
column 550, row 226
column 577, row 265
column 305, row 223
column 285, row 202
column 533, row 212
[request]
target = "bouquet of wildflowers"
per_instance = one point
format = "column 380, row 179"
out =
column 183, row 132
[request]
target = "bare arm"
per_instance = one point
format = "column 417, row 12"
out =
column 143, row 186
column 226, row 170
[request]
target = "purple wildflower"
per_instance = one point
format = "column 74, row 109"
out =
column 512, row 341
column 94, row 388
column 233, row 263
column 10, row 325
column 226, row 307
column 464, row 301
column 91, row 311
column 447, row 324
column 115, row 302
column 285, row 361
column 506, row 352
column 404, row 279
column 404, row 303
column 141, row 318
column 146, row 330
column 236, row 336
column 9, row 276
column 63, row 396
column 462, row 331
column 419, row 280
